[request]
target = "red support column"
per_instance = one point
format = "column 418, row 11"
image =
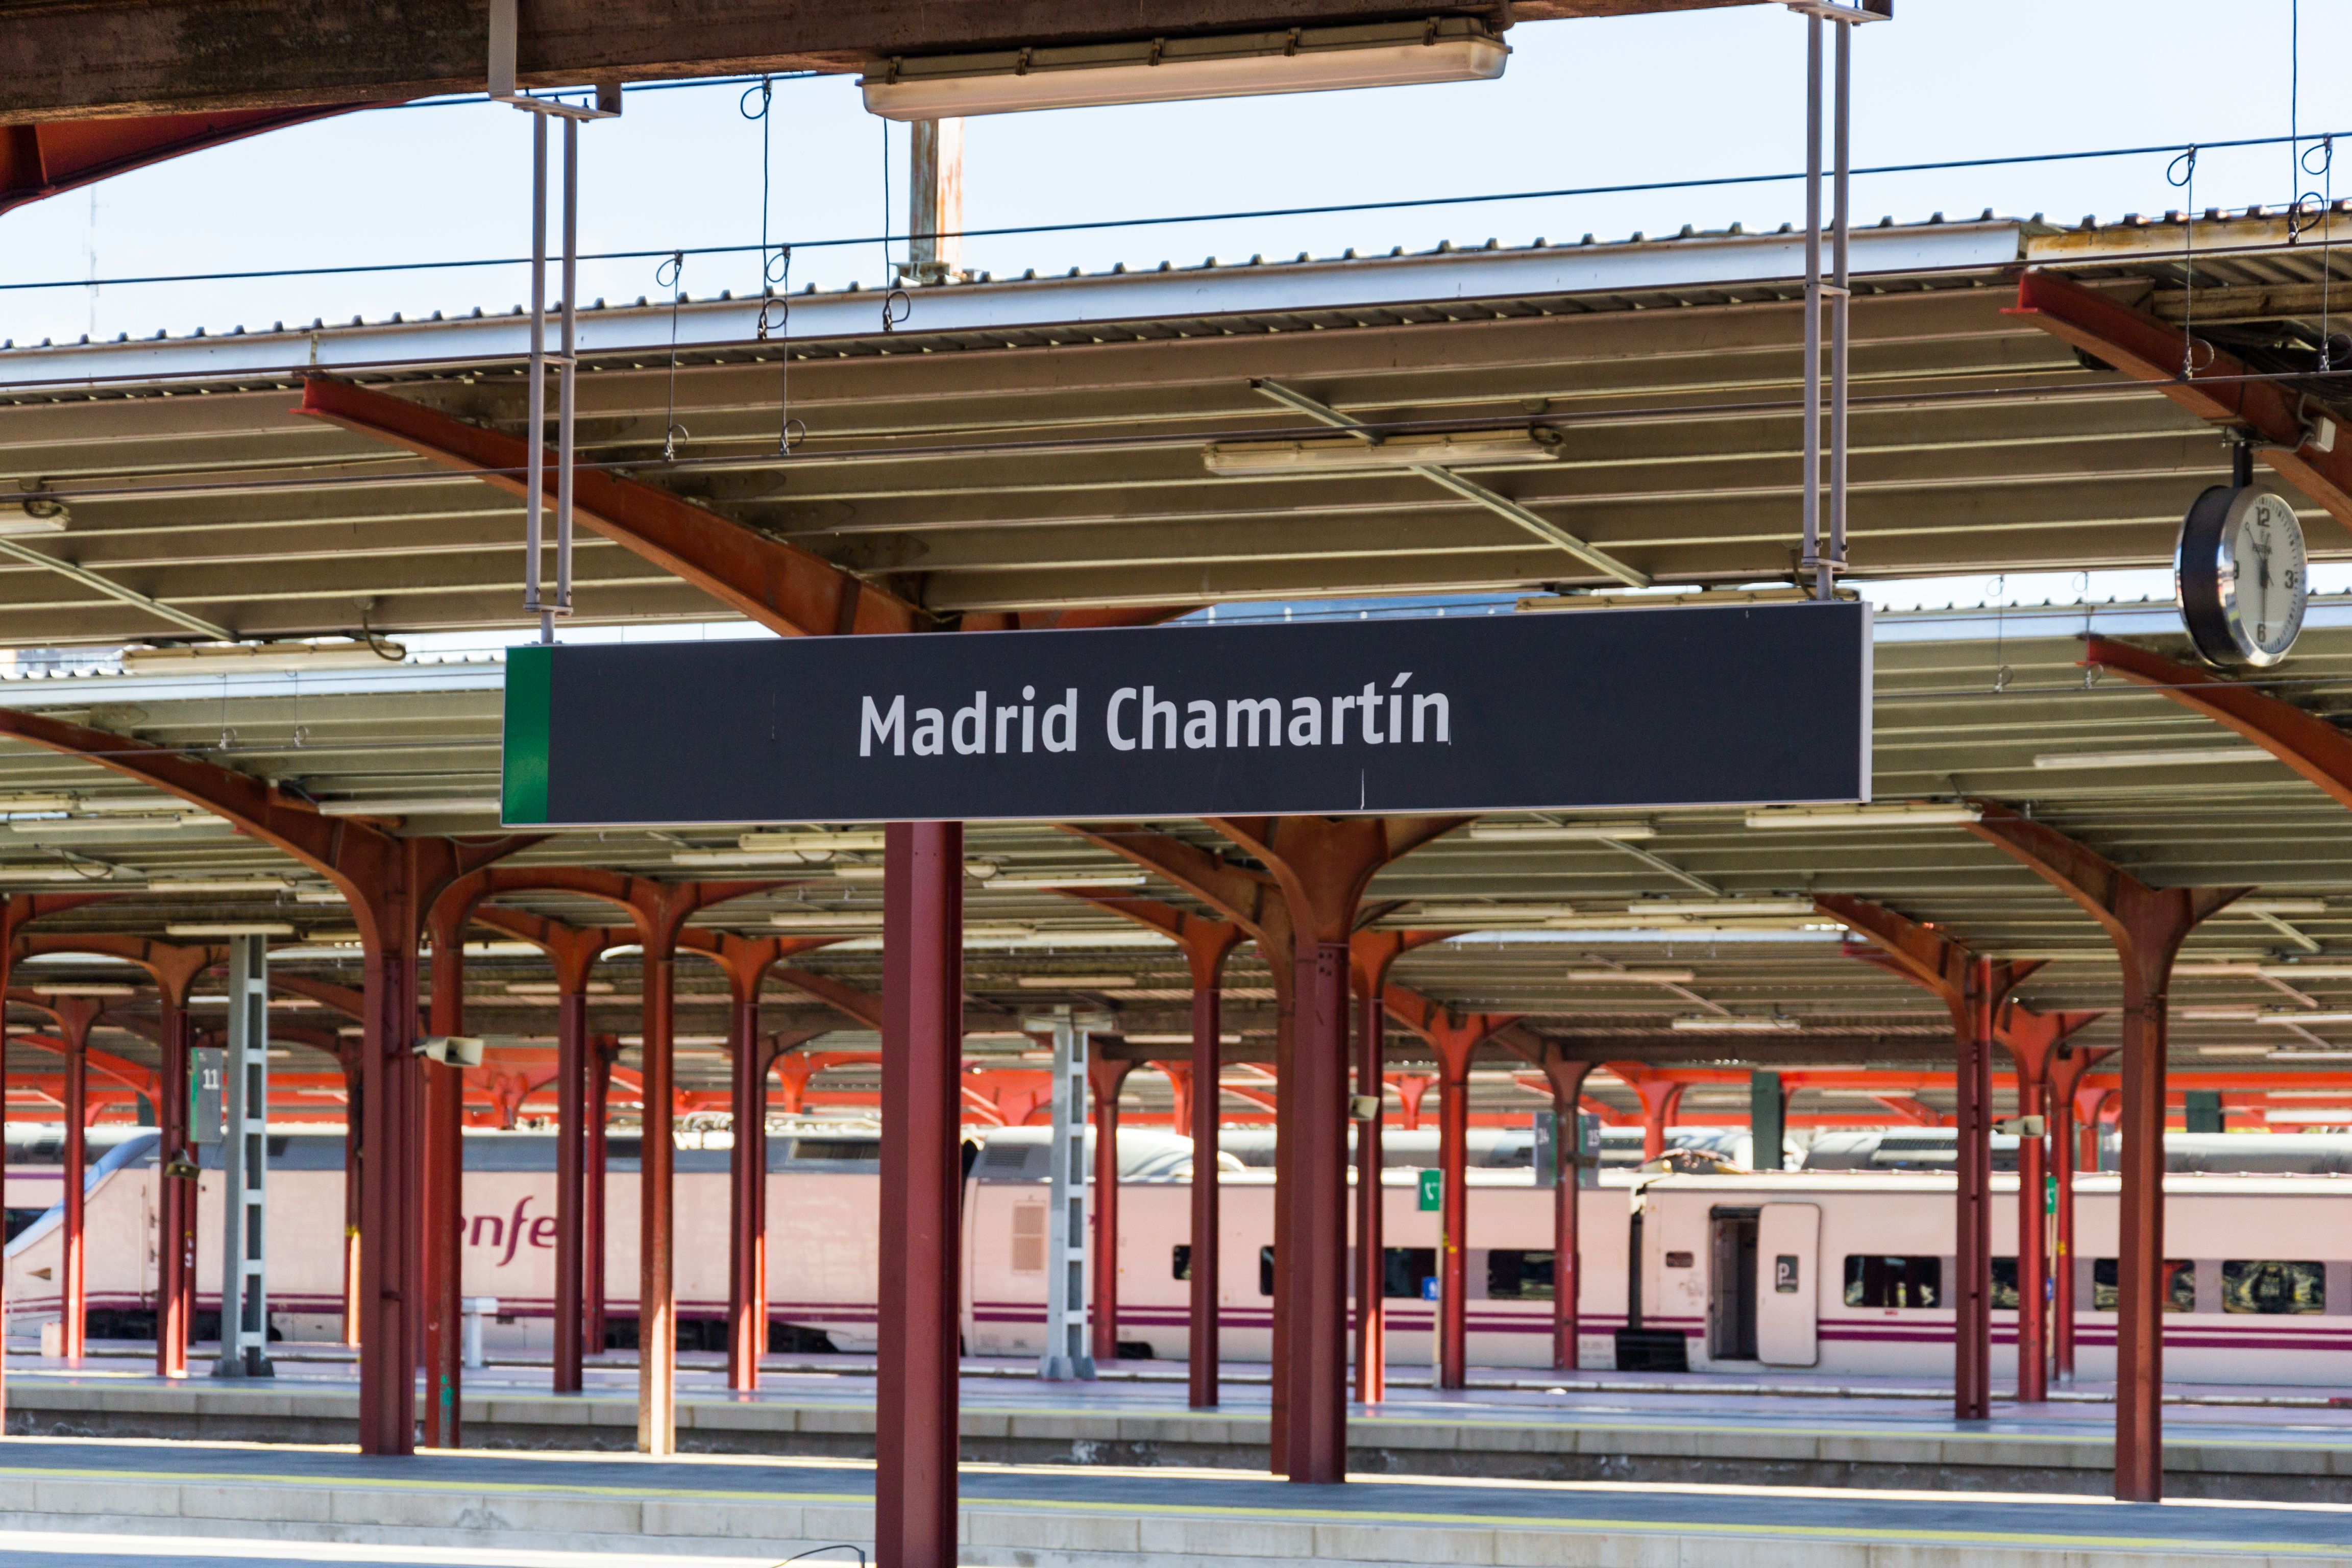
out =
column 570, row 1182
column 2066, row 1077
column 1105, row 1077
column 1208, row 961
column 923, row 1048
column 1971, row 1293
column 445, row 1183
column 1372, row 1230
column 74, row 1015
column 176, row 1240
column 603, row 1050
column 1372, row 954
column 747, row 1186
column 390, row 1287
column 2034, row 1041
column 1567, row 1255
column 2148, row 926
column 1454, row 1223
column 1315, row 1378
column 656, row 1167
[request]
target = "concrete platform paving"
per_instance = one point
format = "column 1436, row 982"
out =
column 615, row 1508
column 1865, row 1437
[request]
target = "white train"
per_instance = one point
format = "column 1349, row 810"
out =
column 1839, row 1270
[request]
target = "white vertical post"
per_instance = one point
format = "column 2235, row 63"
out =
column 935, row 196
column 1069, row 1352
column 245, row 1165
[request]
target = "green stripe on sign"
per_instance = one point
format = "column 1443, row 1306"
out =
column 530, row 678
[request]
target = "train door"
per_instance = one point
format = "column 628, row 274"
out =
column 1788, row 1296
column 1731, row 1286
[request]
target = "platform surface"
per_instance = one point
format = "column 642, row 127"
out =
column 476, row 1500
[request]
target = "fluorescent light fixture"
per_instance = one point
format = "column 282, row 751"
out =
column 1029, row 884
column 220, row 885
column 23, row 518
column 1893, row 813
column 2313, row 1116
column 1563, row 832
column 111, row 826
column 810, row 841
column 2218, row 1015
column 828, row 919
column 1632, row 976
column 257, row 658
column 2240, row 1051
column 2307, row 1015
column 83, row 988
column 317, row 895
column 1351, row 454
column 1168, row 1039
column 1721, row 908
column 980, row 871
column 1702, row 1025
column 2176, row 756
column 2295, row 1056
column 2278, row 907
column 50, row 873
column 412, row 805
column 232, row 928
column 1479, row 916
column 1160, row 70
column 1078, row 982
column 741, row 857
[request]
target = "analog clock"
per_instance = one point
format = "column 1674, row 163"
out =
column 2239, row 576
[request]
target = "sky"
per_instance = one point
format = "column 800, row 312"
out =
column 1681, row 96
column 1686, row 96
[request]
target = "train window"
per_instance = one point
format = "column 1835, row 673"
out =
column 2004, row 1283
column 1402, row 1268
column 1028, row 1238
column 1894, row 1282
column 2179, row 1288
column 1266, row 1271
column 19, row 1218
column 1181, row 1260
column 1515, row 1275
column 2269, row 1286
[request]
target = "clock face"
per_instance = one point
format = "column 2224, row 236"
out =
column 2241, row 575
column 2261, row 575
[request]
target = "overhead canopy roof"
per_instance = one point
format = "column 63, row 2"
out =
column 1039, row 443
column 1032, row 444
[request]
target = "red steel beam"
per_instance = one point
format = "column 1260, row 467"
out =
column 2218, row 386
column 782, row 587
column 2305, row 741
column 39, row 160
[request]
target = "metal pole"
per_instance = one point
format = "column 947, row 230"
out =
column 1841, row 302
column 1811, row 561
column 567, row 371
column 245, row 1141
column 1208, row 1100
column 571, row 1049
column 1066, row 1355
column 915, row 1423
column 1371, row 1240
column 657, row 1159
column 536, row 482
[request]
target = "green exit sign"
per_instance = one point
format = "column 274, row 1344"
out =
column 1431, row 1185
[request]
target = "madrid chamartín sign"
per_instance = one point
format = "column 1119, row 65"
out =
column 1621, row 708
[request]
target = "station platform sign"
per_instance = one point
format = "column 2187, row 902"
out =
column 1602, row 708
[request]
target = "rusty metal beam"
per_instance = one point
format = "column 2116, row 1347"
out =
column 2309, row 745
column 2218, row 386
column 130, row 57
column 785, row 588
column 43, row 160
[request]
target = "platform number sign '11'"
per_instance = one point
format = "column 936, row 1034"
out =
column 1738, row 705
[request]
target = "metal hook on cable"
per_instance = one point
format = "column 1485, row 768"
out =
column 895, row 308
column 666, row 275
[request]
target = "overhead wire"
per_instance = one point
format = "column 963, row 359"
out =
column 1156, row 221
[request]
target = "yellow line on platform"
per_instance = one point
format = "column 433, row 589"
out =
column 1229, row 1511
